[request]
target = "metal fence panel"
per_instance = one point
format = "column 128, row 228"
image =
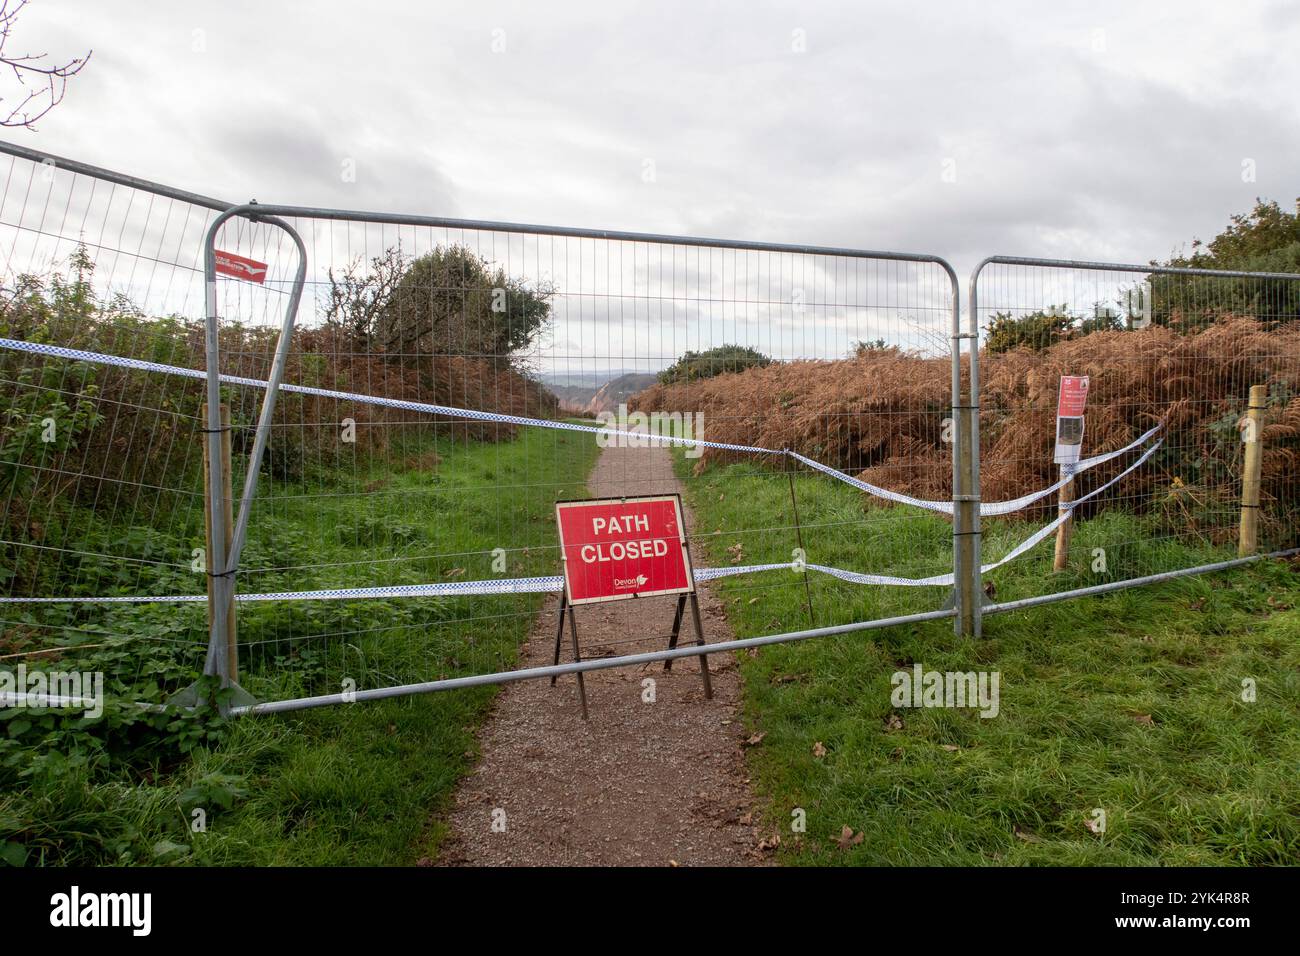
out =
column 379, row 471
column 447, row 381
column 1172, row 349
column 102, row 465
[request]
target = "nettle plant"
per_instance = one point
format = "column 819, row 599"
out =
column 54, row 403
column 37, row 432
column 48, row 743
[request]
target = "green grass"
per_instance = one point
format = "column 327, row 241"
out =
column 359, row 784
column 1207, row 779
column 1130, row 703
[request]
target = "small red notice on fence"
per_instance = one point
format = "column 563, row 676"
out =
column 241, row 268
column 617, row 548
column 1073, row 398
column 1070, row 404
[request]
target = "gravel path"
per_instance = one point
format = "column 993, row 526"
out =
column 654, row 784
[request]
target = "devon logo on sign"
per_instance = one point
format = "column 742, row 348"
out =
column 241, row 268
column 615, row 548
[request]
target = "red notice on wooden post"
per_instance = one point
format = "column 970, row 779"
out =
column 616, row 548
column 1073, row 397
column 1071, row 402
column 241, row 268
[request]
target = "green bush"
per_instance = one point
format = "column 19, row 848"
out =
column 1266, row 239
column 452, row 302
column 1037, row 331
column 716, row 361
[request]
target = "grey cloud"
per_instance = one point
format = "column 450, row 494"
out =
column 1060, row 149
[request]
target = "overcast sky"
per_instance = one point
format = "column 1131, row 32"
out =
column 1099, row 130
column 1109, row 130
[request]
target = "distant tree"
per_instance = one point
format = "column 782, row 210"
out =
column 875, row 345
column 452, row 302
column 1250, row 236
column 41, row 84
column 1038, row 330
column 358, row 296
column 1266, row 239
column 715, row 361
column 1104, row 319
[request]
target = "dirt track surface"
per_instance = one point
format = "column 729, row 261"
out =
column 639, row 784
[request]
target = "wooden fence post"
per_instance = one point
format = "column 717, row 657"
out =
column 1247, row 541
column 228, row 506
column 1063, row 533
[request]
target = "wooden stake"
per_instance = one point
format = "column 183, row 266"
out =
column 228, row 506
column 1254, row 441
column 1063, row 533
column 207, row 508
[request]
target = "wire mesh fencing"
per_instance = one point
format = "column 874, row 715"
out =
column 100, row 466
column 1169, row 353
column 447, row 382
column 509, row 358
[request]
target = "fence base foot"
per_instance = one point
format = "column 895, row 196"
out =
column 235, row 696
column 950, row 602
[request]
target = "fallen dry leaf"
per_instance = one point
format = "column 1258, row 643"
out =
column 848, row 838
column 755, row 740
column 1145, row 720
column 893, row 722
column 951, row 748
column 1027, row 836
column 770, row 843
column 819, row 750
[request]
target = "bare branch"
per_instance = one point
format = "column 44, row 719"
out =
column 43, row 86
column 358, row 296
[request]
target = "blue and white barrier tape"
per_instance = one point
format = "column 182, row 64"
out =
column 943, row 507
column 555, row 582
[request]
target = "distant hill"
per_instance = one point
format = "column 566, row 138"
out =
column 590, row 379
column 605, row 395
column 616, row 391
column 573, row 398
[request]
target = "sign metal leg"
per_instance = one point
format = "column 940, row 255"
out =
column 677, row 628
column 699, row 639
column 559, row 632
column 577, row 656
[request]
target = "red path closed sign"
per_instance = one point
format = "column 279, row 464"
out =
column 617, row 548
column 249, row 269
